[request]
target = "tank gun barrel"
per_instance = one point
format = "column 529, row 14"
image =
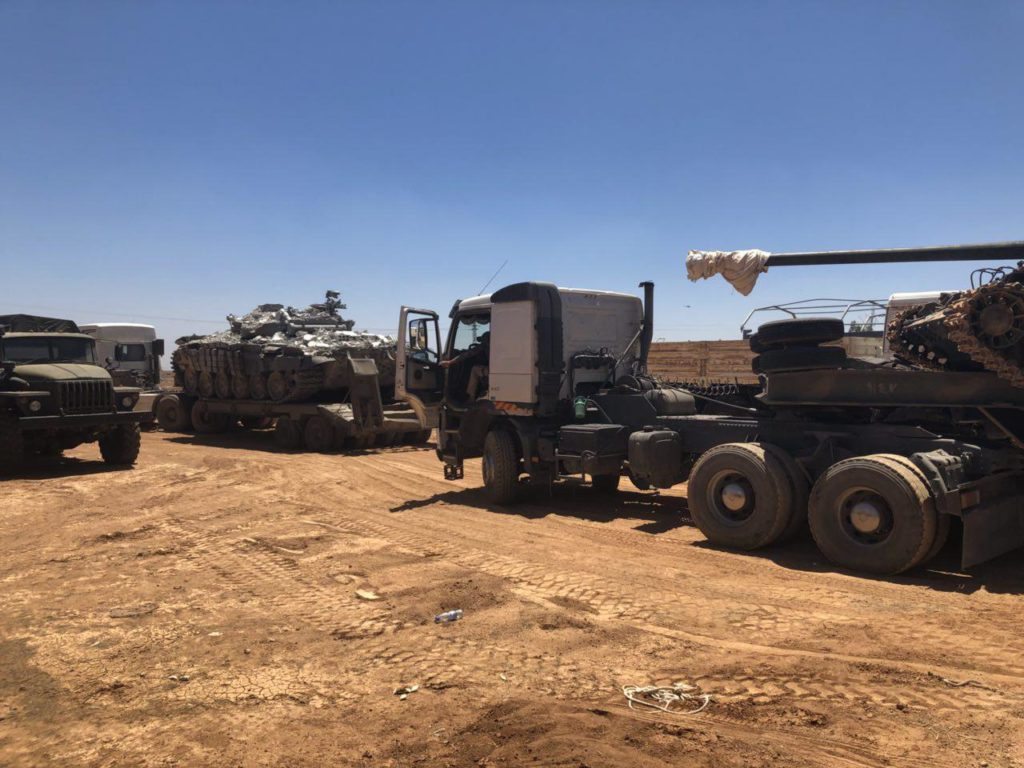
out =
column 991, row 252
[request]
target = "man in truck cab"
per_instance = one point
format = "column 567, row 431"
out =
column 475, row 359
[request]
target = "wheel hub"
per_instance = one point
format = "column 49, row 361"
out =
column 865, row 517
column 734, row 496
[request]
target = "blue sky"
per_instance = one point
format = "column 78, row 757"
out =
column 185, row 160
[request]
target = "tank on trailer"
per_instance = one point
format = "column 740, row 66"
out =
column 978, row 329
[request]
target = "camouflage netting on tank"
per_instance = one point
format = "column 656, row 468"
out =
column 283, row 354
column 318, row 329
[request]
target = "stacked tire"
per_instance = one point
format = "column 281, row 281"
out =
column 796, row 345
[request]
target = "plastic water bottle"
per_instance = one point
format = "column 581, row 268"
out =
column 448, row 616
column 579, row 406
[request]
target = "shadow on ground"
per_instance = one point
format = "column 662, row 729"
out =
column 263, row 440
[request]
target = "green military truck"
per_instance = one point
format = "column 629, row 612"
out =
column 54, row 396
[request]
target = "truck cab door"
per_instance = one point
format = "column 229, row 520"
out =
column 419, row 378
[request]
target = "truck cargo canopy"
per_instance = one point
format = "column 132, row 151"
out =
column 36, row 324
column 739, row 268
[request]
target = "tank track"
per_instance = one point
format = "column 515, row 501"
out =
column 960, row 329
column 915, row 347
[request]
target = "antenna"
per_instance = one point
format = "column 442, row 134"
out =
column 493, row 276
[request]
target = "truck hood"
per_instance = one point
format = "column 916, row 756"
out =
column 60, row 372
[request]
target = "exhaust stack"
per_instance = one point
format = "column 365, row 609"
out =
column 647, row 333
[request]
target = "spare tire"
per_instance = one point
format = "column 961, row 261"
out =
column 798, row 359
column 806, row 331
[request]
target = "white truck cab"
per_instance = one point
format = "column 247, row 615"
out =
column 130, row 351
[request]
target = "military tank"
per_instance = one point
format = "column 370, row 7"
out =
column 282, row 354
column 978, row 329
column 972, row 330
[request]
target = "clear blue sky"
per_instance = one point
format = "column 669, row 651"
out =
column 184, row 160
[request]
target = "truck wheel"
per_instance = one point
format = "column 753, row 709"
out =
column 222, row 385
column 798, row 359
column 807, row 331
column 800, row 490
column 287, row 433
column 605, row 483
column 873, row 514
column 120, row 446
column 319, row 434
column 206, row 423
column 258, row 386
column 172, row 415
column 740, row 496
column 205, row 384
column 501, row 467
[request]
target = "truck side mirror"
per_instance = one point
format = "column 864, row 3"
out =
column 158, row 347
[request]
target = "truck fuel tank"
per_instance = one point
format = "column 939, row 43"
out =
column 656, row 457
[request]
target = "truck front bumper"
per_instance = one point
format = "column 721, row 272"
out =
column 78, row 421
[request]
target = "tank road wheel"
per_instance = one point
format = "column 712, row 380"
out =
column 204, row 385
column 206, row 423
column 288, row 433
column 319, row 434
column 800, row 490
column 740, row 495
column 258, row 386
column 190, row 381
column 172, row 415
column 873, row 514
column 277, row 386
column 120, row 446
column 240, row 387
column 501, row 467
column 222, row 385
column 607, row 484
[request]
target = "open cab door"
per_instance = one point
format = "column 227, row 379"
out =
column 419, row 379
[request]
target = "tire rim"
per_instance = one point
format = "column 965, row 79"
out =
column 865, row 516
column 730, row 497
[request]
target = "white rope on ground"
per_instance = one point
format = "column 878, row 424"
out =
column 663, row 697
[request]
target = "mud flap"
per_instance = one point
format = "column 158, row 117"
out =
column 996, row 525
column 367, row 407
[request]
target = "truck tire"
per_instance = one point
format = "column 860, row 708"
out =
column 288, row 433
column 12, row 446
column 808, row 331
column 206, row 423
column 873, row 514
column 800, row 490
column 319, row 434
column 605, row 484
column 501, row 467
column 740, row 496
column 172, row 415
column 120, row 446
column 798, row 359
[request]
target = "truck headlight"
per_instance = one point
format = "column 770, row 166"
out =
column 127, row 401
column 35, row 406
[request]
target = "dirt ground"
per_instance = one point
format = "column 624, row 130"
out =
column 201, row 609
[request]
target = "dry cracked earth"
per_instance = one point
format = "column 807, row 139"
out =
column 202, row 609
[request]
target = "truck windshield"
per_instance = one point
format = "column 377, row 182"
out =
column 44, row 349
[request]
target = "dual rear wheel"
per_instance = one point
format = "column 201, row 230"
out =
column 873, row 514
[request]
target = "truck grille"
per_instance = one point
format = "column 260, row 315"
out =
column 86, row 396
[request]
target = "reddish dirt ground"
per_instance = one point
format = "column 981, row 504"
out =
column 201, row 609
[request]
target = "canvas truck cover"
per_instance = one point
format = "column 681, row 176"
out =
column 740, row 268
column 36, row 324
